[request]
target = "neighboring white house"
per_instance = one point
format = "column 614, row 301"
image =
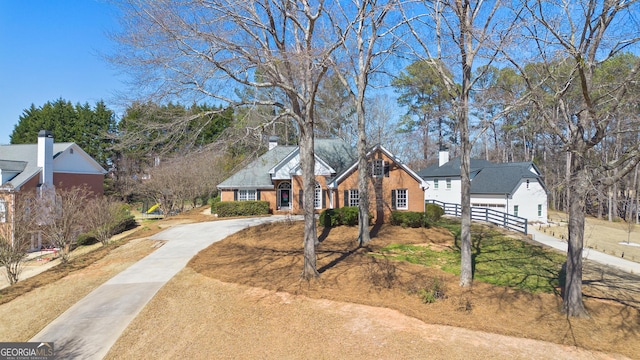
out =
column 515, row 188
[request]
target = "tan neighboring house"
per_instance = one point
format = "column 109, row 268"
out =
column 276, row 177
column 35, row 167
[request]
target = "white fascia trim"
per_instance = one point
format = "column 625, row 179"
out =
column 284, row 160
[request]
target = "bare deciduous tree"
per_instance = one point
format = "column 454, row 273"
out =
column 102, row 216
column 205, row 49
column 15, row 237
column 61, row 216
column 582, row 37
column 460, row 34
column 366, row 43
column 185, row 179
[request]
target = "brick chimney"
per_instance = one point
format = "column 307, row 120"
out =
column 45, row 157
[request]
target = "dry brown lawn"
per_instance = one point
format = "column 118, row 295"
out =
column 610, row 237
column 243, row 298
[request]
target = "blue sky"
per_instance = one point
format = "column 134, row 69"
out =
column 50, row 50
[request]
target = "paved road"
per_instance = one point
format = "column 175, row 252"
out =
column 620, row 263
column 89, row 328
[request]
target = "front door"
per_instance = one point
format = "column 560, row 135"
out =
column 284, row 195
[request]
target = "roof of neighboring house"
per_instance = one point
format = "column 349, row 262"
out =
column 502, row 178
column 452, row 168
column 488, row 177
column 334, row 152
column 26, row 156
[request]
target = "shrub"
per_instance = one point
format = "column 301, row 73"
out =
column 343, row 216
column 86, row 239
column 349, row 215
column 329, row 218
column 124, row 220
column 409, row 219
column 381, row 274
column 433, row 293
column 214, row 200
column 433, row 212
column 241, row 208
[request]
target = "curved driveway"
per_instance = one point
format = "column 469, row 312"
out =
column 88, row 329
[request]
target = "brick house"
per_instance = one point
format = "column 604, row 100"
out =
column 45, row 165
column 276, row 177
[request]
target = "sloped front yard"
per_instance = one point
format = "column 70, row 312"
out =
column 269, row 257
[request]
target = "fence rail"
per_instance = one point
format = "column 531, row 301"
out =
column 499, row 218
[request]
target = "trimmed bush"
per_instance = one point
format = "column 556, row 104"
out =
column 214, row 200
column 329, row 218
column 412, row 219
column 342, row 216
column 241, row 208
column 433, row 212
column 349, row 215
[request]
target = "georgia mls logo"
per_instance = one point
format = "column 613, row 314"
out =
column 26, row 351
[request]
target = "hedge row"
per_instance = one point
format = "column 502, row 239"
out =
column 414, row 219
column 341, row 216
column 240, row 208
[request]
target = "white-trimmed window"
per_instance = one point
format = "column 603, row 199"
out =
column 401, row 199
column 246, row 195
column 354, row 197
column 435, row 184
column 317, row 197
column 377, row 168
column 3, row 210
column 539, row 210
column 515, row 210
column 448, row 184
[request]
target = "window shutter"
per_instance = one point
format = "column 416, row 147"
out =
column 386, row 169
column 346, row 198
column 393, row 199
column 324, row 199
column 300, row 199
column 258, row 195
column 235, row 195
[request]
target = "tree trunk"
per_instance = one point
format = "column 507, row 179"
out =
column 567, row 179
column 364, row 237
column 572, row 303
column 307, row 163
column 466, row 52
column 466, row 263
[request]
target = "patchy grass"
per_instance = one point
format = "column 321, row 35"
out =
column 497, row 259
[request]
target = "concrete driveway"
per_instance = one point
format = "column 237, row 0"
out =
column 88, row 329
